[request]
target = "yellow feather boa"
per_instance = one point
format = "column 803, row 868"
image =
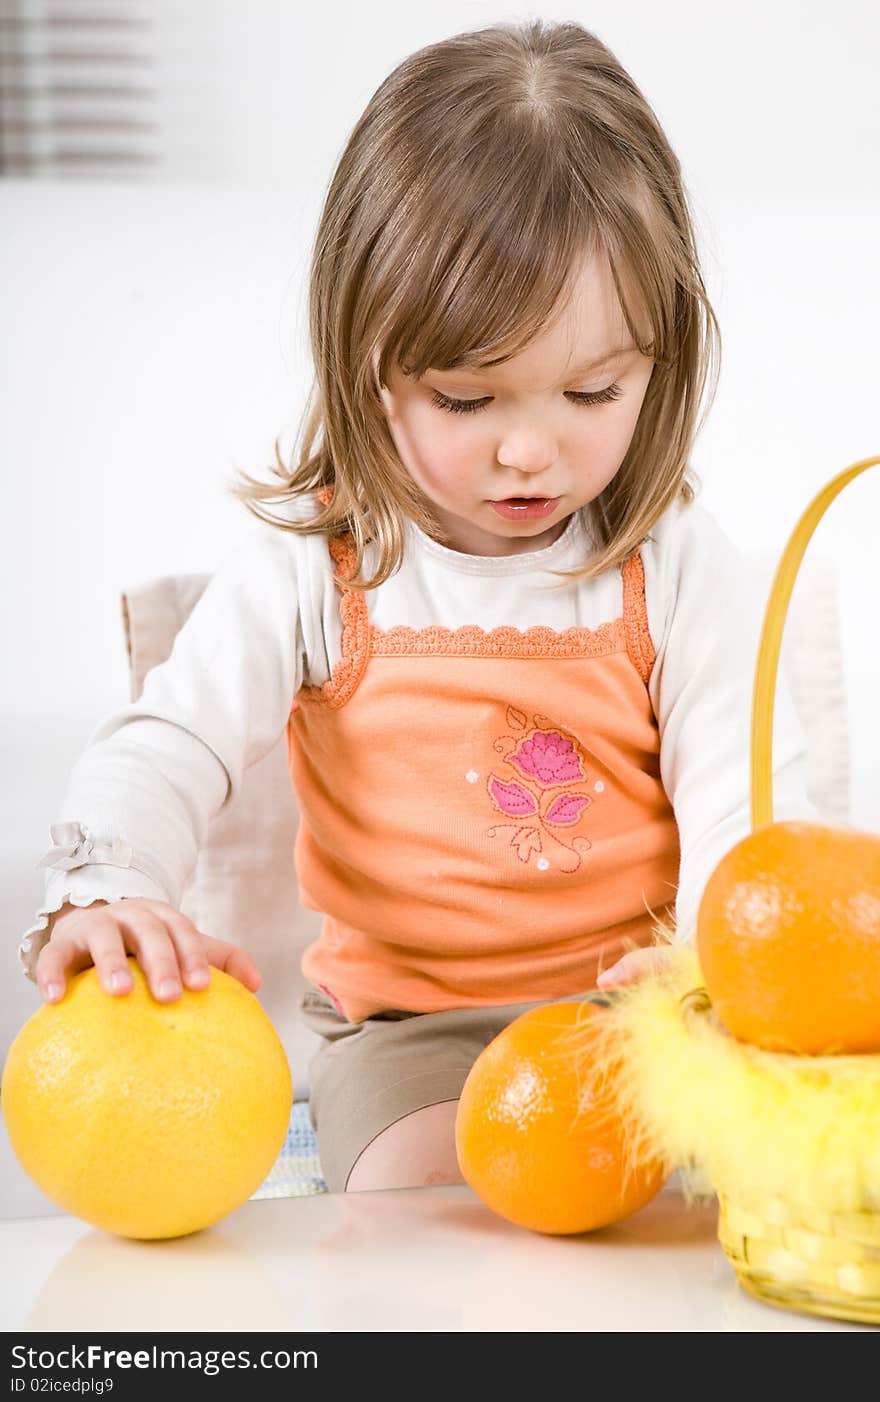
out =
column 733, row 1118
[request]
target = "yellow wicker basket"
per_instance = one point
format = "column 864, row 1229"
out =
column 812, row 1259
column 805, row 1256
column 822, row 1263
column 790, row 1144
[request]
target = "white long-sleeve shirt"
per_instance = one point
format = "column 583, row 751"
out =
column 154, row 772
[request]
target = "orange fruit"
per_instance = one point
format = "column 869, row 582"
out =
column 788, row 939
column 537, row 1132
column 148, row 1119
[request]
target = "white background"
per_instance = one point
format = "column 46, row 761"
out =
column 153, row 332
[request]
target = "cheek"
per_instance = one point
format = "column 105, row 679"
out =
column 438, row 454
column 603, row 439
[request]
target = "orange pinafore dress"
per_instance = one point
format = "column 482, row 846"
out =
column 482, row 816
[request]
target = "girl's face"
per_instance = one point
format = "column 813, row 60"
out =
column 551, row 423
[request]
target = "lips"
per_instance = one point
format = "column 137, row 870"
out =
column 525, row 508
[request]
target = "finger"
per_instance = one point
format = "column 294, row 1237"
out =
column 190, row 943
column 51, row 969
column 148, row 937
column 234, row 961
column 636, row 964
column 95, row 939
column 655, row 960
column 626, row 970
column 104, row 944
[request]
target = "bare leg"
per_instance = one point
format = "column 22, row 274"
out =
column 414, row 1152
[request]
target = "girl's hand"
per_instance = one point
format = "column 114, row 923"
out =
column 634, row 966
column 167, row 945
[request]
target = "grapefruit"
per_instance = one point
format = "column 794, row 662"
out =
column 148, row 1119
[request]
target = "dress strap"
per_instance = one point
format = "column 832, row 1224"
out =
column 639, row 646
column 355, row 625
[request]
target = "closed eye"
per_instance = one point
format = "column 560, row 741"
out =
column 473, row 406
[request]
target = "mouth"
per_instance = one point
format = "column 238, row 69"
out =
column 525, row 508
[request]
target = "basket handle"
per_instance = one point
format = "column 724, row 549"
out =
column 764, row 691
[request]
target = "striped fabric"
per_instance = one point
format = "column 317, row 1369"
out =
column 296, row 1172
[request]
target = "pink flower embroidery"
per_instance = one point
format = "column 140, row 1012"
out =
column 546, row 759
column 511, row 799
column 549, row 758
column 525, row 842
column 567, row 808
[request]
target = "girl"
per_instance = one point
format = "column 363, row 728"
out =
column 512, row 655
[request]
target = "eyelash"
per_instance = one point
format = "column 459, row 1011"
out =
column 473, row 406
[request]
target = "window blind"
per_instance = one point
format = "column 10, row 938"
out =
column 78, row 88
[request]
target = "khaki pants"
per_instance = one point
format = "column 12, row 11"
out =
column 366, row 1075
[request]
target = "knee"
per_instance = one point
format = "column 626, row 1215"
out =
column 417, row 1151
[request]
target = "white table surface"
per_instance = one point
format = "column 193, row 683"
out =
column 415, row 1259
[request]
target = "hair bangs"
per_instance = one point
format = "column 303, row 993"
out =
column 512, row 247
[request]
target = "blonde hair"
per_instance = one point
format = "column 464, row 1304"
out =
column 482, row 171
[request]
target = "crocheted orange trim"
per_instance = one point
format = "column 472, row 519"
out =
column 360, row 638
column 635, row 617
column 355, row 634
column 473, row 641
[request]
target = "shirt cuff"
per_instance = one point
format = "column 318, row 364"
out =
column 82, row 887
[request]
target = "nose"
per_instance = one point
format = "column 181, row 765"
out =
column 527, row 447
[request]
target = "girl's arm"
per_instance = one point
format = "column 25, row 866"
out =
column 706, row 610
column 152, row 775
